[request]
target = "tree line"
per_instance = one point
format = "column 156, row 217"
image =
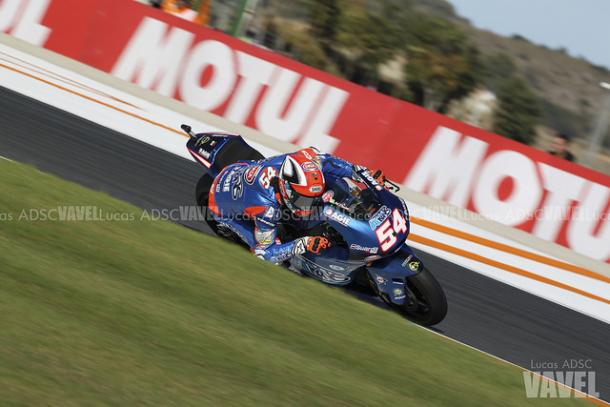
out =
column 355, row 38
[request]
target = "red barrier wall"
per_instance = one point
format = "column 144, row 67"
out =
column 466, row 166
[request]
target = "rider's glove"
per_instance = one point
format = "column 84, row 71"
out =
column 312, row 244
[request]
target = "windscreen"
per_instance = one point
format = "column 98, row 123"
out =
column 354, row 198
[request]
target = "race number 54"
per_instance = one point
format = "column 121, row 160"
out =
column 387, row 231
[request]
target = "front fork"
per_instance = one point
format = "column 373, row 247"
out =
column 389, row 275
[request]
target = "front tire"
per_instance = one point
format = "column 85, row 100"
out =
column 426, row 302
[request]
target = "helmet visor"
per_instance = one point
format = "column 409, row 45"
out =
column 299, row 202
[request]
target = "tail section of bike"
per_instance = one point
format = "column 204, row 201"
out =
column 217, row 150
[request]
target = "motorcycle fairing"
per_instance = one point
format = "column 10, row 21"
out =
column 389, row 274
column 332, row 268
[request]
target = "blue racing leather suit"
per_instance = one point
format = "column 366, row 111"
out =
column 244, row 200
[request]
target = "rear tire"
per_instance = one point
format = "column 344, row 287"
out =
column 426, row 302
column 202, row 196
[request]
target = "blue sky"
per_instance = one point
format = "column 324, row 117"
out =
column 581, row 26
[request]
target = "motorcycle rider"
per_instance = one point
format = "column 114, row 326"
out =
column 248, row 198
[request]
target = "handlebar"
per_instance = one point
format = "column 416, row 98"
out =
column 392, row 186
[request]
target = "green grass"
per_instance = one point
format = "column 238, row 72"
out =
column 148, row 312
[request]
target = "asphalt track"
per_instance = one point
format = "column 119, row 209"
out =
column 483, row 312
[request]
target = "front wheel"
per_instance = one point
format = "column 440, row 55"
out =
column 426, row 302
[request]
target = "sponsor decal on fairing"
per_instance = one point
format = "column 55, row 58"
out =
column 379, row 217
column 372, row 250
column 337, row 216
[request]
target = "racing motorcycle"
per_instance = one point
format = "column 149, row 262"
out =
column 366, row 223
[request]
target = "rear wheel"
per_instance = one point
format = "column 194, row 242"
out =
column 202, row 196
column 426, row 302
